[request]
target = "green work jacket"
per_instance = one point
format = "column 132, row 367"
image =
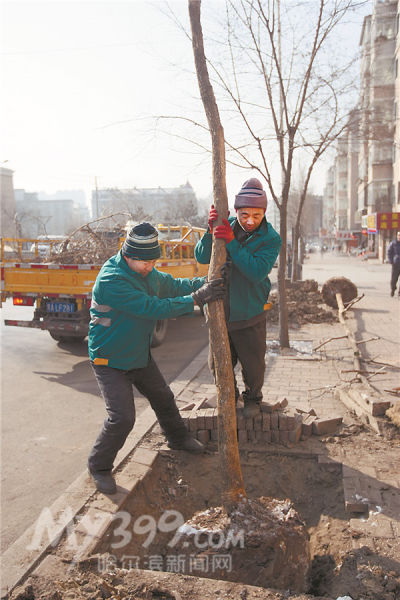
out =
column 252, row 261
column 125, row 308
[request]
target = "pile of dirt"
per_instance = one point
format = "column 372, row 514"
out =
column 266, row 540
column 305, row 304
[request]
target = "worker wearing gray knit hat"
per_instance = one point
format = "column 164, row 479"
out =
column 128, row 298
column 252, row 246
column 251, row 195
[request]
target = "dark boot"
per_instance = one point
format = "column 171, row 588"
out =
column 104, row 481
column 189, row 444
column 251, row 406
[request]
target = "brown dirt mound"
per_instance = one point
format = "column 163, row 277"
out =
column 305, row 304
column 266, row 540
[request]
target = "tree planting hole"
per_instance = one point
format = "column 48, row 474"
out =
column 145, row 533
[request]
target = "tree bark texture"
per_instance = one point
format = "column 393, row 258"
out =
column 219, row 341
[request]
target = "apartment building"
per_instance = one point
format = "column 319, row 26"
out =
column 367, row 165
column 376, row 199
column 396, row 150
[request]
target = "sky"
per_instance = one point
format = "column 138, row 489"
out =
column 82, row 84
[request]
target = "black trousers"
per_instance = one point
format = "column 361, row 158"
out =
column 248, row 346
column 394, row 277
column 116, row 387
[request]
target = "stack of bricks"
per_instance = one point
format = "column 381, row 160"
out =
column 273, row 424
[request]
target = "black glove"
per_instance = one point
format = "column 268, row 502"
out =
column 209, row 291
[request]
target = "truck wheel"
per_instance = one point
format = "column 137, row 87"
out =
column 67, row 339
column 160, row 331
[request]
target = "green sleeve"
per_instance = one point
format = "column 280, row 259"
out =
column 120, row 295
column 203, row 248
column 255, row 265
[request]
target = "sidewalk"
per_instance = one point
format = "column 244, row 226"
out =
column 308, row 379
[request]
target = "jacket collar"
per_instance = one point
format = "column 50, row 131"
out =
column 262, row 227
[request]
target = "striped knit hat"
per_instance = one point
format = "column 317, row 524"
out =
column 142, row 243
column 251, row 195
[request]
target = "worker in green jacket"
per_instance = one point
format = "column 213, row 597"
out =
column 128, row 298
column 252, row 246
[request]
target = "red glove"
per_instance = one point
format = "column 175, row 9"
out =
column 213, row 216
column 224, row 232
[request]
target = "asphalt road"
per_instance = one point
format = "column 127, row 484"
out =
column 52, row 411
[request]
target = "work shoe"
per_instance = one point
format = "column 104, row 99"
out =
column 251, row 408
column 392, row 293
column 104, row 481
column 189, row 444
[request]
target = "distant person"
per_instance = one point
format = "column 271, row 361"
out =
column 128, row 298
column 252, row 246
column 394, row 259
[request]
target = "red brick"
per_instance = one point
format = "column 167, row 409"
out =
column 283, row 436
column 275, row 436
column 267, row 436
column 269, row 408
column 293, row 421
column 258, row 423
column 323, row 426
column 192, row 424
column 274, row 421
column 283, row 403
column 201, row 421
column 266, row 422
column 214, row 435
column 209, row 418
column 307, row 426
column 282, row 421
column 203, row 435
column 215, row 423
column 295, row 434
column 242, row 436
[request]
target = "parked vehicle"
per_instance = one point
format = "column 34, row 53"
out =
column 61, row 293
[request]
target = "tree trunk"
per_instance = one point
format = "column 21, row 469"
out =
column 283, row 311
column 227, row 436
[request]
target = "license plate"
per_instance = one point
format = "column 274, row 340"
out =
column 60, row 307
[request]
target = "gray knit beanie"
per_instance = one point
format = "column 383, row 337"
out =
column 142, row 243
column 251, row 195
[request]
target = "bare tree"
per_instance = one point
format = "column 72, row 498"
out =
column 227, row 437
column 283, row 87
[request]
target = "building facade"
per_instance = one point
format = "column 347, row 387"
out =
column 7, row 203
column 161, row 205
column 377, row 131
column 396, row 111
column 40, row 217
column 367, row 165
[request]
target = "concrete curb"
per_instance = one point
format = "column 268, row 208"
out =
column 25, row 554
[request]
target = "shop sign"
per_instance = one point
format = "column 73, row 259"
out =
column 388, row 220
column 345, row 236
column 372, row 223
